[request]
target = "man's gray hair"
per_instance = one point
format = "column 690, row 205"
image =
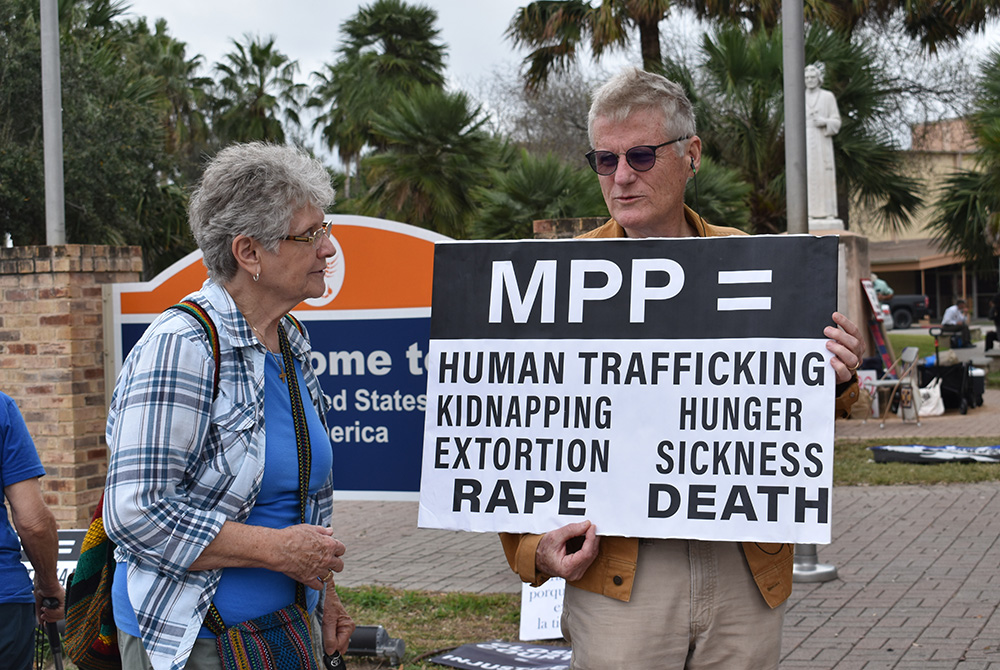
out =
column 253, row 189
column 634, row 89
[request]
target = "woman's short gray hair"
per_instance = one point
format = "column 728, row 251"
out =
column 253, row 189
column 634, row 89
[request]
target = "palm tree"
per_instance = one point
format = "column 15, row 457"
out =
column 342, row 91
column 533, row 188
column 738, row 101
column 389, row 47
column 182, row 94
column 556, row 31
column 436, row 152
column 400, row 40
column 257, row 86
column 931, row 22
column 719, row 195
column 967, row 219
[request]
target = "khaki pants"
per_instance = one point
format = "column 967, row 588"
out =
column 694, row 606
column 203, row 657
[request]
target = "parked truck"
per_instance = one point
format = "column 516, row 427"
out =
column 906, row 309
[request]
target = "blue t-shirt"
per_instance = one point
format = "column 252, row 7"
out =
column 247, row 593
column 18, row 462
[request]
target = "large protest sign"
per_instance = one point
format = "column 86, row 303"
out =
column 659, row 388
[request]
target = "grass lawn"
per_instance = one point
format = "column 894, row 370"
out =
column 853, row 464
column 924, row 342
column 431, row 623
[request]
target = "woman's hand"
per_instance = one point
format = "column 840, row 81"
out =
column 337, row 625
column 309, row 554
column 306, row 553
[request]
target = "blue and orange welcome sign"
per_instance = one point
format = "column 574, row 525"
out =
column 369, row 332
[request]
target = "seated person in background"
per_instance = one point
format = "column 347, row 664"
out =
column 994, row 316
column 956, row 320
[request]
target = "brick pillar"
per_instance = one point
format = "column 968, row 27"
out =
column 558, row 229
column 52, row 362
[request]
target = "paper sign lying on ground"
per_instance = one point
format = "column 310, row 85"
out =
column 659, row 388
column 541, row 610
column 499, row 655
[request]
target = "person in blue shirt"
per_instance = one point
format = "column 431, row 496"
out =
column 20, row 493
column 202, row 496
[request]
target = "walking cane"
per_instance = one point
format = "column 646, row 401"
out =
column 52, row 630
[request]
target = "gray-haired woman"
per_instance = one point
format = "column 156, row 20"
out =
column 219, row 489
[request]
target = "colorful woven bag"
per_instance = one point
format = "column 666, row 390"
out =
column 91, row 637
column 278, row 640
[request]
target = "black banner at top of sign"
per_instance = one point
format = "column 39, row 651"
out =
column 690, row 288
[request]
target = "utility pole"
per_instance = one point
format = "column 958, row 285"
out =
column 794, row 60
column 52, row 135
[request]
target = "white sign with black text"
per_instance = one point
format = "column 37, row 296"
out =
column 659, row 388
column 541, row 610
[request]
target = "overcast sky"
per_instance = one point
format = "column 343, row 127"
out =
column 309, row 30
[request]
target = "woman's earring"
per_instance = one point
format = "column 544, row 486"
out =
column 256, row 276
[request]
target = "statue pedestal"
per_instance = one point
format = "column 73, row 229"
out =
column 826, row 224
column 853, row 267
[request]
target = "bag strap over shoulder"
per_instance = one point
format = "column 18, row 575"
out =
column 295, row 322
column 201, row 316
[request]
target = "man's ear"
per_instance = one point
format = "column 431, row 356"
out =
column 694, row 153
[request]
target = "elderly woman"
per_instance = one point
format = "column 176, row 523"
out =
column 219, row 490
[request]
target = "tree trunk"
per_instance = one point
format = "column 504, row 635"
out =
column 649, row 45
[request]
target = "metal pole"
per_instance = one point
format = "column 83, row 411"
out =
column 794, row 59
column 52, row 136
column 806, row 569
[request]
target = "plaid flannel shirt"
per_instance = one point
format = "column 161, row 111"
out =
column 181, row 464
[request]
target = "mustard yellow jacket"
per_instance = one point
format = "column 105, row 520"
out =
column 613, row 571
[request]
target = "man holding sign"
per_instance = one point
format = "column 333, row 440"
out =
column 666, row 603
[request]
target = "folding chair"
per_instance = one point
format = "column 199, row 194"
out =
column 901, row 378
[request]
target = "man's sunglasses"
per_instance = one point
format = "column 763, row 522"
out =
column 640, row 158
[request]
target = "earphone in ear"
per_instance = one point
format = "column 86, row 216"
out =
column 692, row 166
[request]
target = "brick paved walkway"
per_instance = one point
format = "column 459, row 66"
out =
column 918, row 566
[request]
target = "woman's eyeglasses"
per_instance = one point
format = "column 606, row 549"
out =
column 313, row 238
column 640, row 158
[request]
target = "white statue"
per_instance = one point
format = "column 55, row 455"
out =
column 822, row 123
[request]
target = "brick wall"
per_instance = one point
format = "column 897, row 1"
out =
column 52, row 361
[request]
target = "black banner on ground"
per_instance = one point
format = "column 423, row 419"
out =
column 498, row 655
